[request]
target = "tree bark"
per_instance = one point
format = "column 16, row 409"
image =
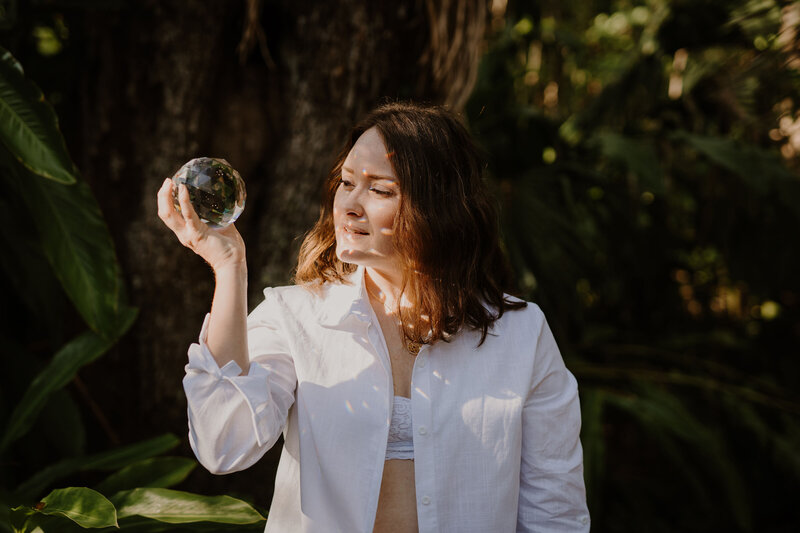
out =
column 163, row 83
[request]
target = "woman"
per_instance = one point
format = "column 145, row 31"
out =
column 412, row 394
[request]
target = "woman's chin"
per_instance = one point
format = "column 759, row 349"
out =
column 354, row 256
column 367, row 258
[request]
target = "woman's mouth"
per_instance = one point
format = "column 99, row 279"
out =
column 354, row 231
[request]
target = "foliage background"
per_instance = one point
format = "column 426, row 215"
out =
column 644, row 154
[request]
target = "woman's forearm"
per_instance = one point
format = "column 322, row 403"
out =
column 227, row 328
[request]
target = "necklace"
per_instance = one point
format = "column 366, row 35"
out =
column 412, row 347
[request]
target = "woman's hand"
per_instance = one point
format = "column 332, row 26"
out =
column 220, row 248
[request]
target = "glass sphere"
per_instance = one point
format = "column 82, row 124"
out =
column 216, row 190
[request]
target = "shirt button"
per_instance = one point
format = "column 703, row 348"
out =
column 423, row 430
column 421, row 362
column 426, row 500
column 584, row 520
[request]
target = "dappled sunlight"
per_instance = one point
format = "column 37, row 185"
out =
column 787, row 132
column 679, row 60
column 708, row 289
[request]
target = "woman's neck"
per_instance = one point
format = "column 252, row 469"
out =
column 384, row 288
column 383, row 296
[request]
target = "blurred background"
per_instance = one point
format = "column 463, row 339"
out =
column 643, row 153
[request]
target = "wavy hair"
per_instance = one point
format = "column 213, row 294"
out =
column 446, row 231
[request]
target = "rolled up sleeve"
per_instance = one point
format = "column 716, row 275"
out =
column 552, row 492
column 234, row 419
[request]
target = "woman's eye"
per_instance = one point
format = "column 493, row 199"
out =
column 345, row 182
column 381, row 191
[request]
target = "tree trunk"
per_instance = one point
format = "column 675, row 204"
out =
column 163, row 83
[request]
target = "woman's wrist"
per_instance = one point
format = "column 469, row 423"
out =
column 231, row 268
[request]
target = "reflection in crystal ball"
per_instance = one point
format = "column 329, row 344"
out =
column 215, row 189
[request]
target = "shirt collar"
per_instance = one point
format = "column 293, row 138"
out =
column 344, row 302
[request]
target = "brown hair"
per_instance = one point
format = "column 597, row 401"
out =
column 446, row 230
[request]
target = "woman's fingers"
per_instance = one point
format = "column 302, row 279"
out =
column 187, row 210
column 215, row 247
column 166, row 209
column 185, row 224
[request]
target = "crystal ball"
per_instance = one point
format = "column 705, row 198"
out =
column 216, row 190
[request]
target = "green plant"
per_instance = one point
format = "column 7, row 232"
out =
column 54, row 234
column 643, row 155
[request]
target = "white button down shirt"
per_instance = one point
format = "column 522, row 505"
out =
column 496, row 427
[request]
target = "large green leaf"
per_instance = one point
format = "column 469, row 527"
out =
column 29, row 127
column 62, row 368
column 664, row 415
column 638, row 155
column 140, row 524
column 111, row 460
column 177, row 507
column 6, row 56
column 85, row 507
column 783, row 445
column 14, row 518
column 748, row 161
column 77, row 244
column 158, row 472
column 5, row 518
column 762, row 170
column 26, row 271
column 61, row 424
column 592, row 438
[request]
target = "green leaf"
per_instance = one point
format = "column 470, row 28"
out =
column 177, row 507
column 85, row 507
column 6, row 56
column 638, row 155
column 30, row 126
column 158, row 472
column 62, row 368
column 27, row 270
column 760, row 169
column 744, row 160
column 593, row 440
column 11, row 519
column 111, row 460
column 60, row 423
column 139, row 524
column 666, row 416
column 77, row 244
column 14, row 519
column 782, row 445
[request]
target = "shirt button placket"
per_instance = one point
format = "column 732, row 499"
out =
column 423, row 444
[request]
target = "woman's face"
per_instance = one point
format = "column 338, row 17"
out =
column 365, row 206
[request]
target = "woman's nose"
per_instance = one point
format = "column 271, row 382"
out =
column 352, row 205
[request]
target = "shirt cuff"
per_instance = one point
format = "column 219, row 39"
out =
column 251, row 386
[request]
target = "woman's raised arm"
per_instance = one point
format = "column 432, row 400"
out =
column 224, row 250
column 237, row 400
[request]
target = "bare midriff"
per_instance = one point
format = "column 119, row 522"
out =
column 397, row 503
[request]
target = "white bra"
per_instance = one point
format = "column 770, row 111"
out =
column 400, row 444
